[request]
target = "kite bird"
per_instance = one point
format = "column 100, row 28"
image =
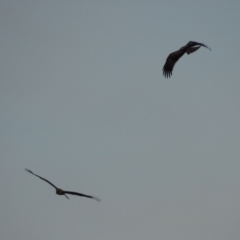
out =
column 174, row 57
column 62, row 192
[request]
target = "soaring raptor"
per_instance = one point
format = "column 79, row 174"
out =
column 62, row 192
column 174, row 57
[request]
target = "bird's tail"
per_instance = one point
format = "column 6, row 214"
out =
column 96, row 198
column 66, row 196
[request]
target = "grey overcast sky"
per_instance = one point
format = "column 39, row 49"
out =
column 84, row 104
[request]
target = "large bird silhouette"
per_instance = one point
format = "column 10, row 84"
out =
column 62, row 192
column 174, row 56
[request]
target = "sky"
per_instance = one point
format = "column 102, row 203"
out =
column 85, row 105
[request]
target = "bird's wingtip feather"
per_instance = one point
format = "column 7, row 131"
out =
column 97, row 199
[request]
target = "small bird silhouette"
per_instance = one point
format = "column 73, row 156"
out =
column 62, row 192
column 174, row 56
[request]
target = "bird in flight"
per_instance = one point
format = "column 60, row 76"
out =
column 62, row 192
column 174, row 56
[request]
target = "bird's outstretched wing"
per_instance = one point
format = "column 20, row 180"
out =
column 193, row 43
column 82, row 195
column 192, row 49
column 168, row 67
column 29, row 171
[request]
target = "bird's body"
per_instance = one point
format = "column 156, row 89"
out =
column 63, row 192
column 174, row 56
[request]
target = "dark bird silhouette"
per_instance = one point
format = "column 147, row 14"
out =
column 62, row 192
column 174, row 57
